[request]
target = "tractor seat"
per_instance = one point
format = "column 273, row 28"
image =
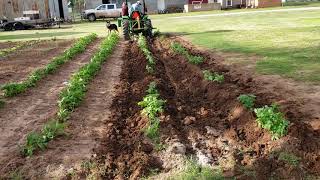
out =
column 135, row 15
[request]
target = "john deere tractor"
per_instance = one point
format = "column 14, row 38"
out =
column 135, row 22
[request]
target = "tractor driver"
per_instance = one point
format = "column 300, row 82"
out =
column 136, row 7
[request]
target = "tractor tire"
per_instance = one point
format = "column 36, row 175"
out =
column 91, row 17
column 125, row 29
column 18, row 26
column 8, row 27
column 149, row 26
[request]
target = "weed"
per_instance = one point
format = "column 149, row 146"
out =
column 208, row 75
column 193, row 171
column 13, row 89
column 289, row 158
column 16, row 175
column 271, row 119
column 152, row 105
column 142, row 42
column 247, row 100
column 178, row 48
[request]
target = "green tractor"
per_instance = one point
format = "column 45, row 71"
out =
column 135, row 22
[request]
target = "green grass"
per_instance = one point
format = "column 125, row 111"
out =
column 69, row 31
column 287, row 43
column 193, row 171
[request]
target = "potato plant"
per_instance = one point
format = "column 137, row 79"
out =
column 270, row 118
column 70, row 98
column 178, row 48
column 13, row 89
column 247, row 100
column 142, row 42
column 213, row 76
column 152, row 105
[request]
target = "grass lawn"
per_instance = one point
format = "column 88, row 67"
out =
column 288, row 42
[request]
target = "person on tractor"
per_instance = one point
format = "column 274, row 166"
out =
column 136, row 7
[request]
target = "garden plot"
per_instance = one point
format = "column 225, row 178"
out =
column 203, row 118
column 31, row 110
column 15, row 66
column 177, row 113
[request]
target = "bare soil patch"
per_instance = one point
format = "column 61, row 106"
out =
column 29, row 111
column 16, row 66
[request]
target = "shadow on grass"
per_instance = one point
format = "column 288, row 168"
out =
column 38, row 35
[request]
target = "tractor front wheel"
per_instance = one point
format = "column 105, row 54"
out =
column 125, row 29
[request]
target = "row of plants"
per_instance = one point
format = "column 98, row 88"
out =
column 4, row 52
column 13, row 89
column 178, row 48
column 70, row 98
column 152, row 106
column 268, row 117
column 142, row 43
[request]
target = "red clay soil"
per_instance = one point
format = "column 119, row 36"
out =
column 215, row 105
column 85, row 129
column 121, row 150
column 16, row 66
column 6, row 45
column 29, row 111
column 127, row 154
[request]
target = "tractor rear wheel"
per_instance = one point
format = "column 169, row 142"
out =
column 8, row 27
column 148, row 24
column 125, row 29
column 18, row 26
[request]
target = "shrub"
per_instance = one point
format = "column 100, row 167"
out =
column 271, row 119
column 247, row 100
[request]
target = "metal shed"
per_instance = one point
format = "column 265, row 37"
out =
column 11, row 9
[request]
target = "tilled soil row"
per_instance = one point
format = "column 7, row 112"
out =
column 220, row 129
column 16, row 66
column 29, row 111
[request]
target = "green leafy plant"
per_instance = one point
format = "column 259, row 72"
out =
column 289, row 158
column 247, row 100
column 13, row 89
column 70, row 98
column 142, row 43
column 152, row 105
column 270, row 118
column 40, row 140
column 178, row 48
column 208, row 75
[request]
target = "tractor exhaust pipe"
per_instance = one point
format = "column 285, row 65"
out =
column 144, row 7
